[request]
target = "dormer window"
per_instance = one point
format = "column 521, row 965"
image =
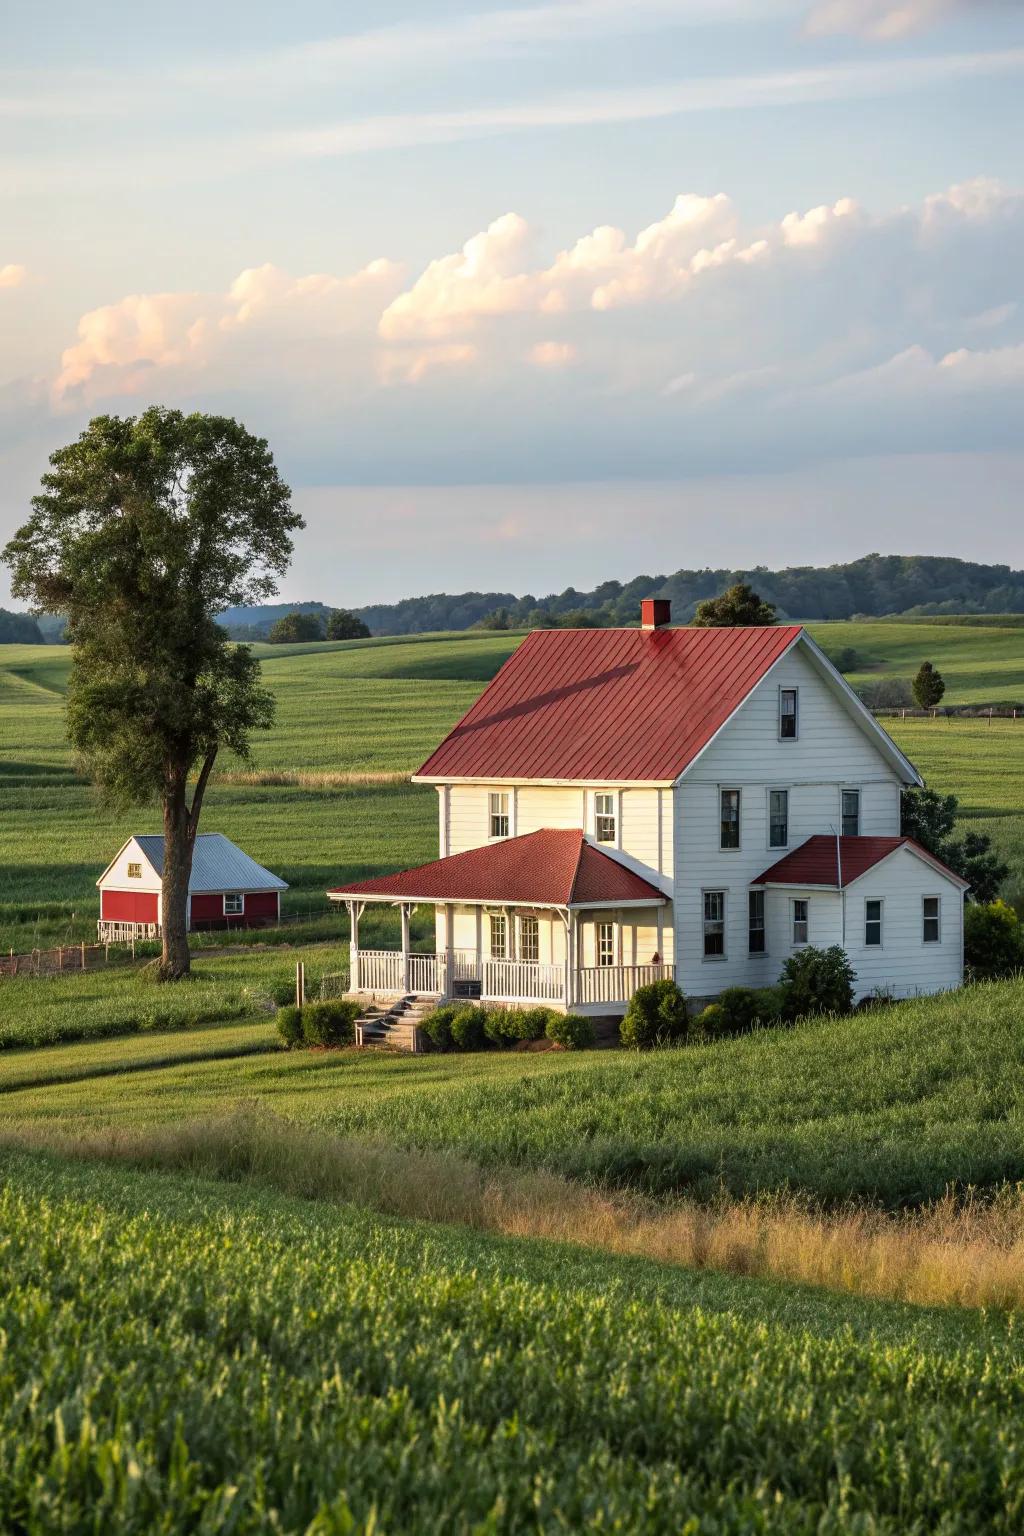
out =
column 134, row 871
column 788, row 713
column 499, row 817
column 604, row 818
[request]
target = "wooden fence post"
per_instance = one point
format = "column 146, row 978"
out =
column 300, row 984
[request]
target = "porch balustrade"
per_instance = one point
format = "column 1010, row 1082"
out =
column 501, row 981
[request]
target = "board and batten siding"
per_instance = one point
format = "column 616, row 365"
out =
column 831, row 752
column 904, row 965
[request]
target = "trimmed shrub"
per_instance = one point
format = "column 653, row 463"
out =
column 712, row 1023
column 993, row 941
column 817, row 981
column 571, row 1031
column 283, row 993
column 330, row 1023
column 498, row 1026
column 656, row 1015
column 289, row 1025
column 437, row 1026
column 467, row 1029
column 529, row 1023
column 739, row 1005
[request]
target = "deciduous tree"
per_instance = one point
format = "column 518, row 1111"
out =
column 739, row 605
column 342, row 625
column 929, row 818
column 145, row 529
column 296, row 628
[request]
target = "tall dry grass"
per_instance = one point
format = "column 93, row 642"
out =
column 963, row 1252
column 317, row 780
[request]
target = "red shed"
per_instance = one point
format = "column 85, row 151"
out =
column 227, row 888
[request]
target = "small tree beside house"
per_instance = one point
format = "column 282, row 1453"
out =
column 739, row 605
column 928, row 686
column 145, row 529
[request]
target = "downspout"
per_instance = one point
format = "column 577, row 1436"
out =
column 842, row 892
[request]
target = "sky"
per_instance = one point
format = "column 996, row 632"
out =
column 525, row 296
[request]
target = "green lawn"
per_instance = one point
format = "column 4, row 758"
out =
column 185, row 1357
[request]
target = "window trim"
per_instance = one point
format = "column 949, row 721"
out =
column 935, row 896
column 735, row 847
column 493, row 815
column 783, row 690
column 134, row 871
column 502, row 918
column 238, row 911
column 850, row 789
column 763, row 930
column 805, row 902
column 613, row 816
column 775, row 789
column 880, row 902
column 599, row 947
column 524, row 918
column 715, row 890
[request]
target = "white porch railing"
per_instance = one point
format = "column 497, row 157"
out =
column 377, row 970
column 520, row 981
column 616, row 983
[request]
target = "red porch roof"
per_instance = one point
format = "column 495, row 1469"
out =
column 815, row 861
column 550, row 868
column 608, row 705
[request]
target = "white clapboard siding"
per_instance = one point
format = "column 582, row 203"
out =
column 117, row 877
column 905, row 965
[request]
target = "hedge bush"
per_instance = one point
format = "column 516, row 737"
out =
column 330, row 1023
column 467, row 1028
column 289, row 1025
column 993, row 941
column 656, row 1015
column 437, row 1026
column 712, row 1023
column 529, row 1023
column 571, row 1031
column 817, row 981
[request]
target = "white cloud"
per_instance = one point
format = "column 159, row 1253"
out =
column 883, row 20
column 552, row 354
column 12, row 275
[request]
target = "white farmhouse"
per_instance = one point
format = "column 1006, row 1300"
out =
column 621, row 805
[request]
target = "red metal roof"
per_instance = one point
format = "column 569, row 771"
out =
column 814, row 862
column 607, row 705
column 550, row 868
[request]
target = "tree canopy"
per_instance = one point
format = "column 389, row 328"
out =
column 930, row 819
column 145, row 528
column 928, row 686
column 342, row 625
column 295, row 628
column 739, row 605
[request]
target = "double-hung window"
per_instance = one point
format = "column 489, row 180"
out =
column 234, row 904
column 499, row 816
column 604, row 818
column 729, row 818
column 778, row 818
column 931, row 919
column 714, row 925
column 755, row 922
column 851, row 812
column 499, row 935
column 529, row 940
column 789, row 700
column 606, row 943
column 801, row 919
column 873, row 923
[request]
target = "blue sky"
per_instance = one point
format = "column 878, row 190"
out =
column 535, row 294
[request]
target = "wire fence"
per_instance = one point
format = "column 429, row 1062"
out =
column 954, row 712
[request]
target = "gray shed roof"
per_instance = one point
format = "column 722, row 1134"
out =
column 217, row 864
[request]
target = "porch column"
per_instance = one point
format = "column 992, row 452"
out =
column 570, row 958
column 449, row 949
column 355, row 909
column 406, row 909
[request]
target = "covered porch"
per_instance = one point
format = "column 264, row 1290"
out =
column 557, row 923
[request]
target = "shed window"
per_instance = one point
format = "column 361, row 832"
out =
column 134, row 871
column 499, row 817
column 778, row 818
column 529, row 939
column 851, row 813
column 604, row 818
column 801, row 919
column 931, row 912
column 234, row 905
column 788, row 713
column 714, row 925
column 499, row 935
column 873, row 923
column 730, row 818
column 755, row 922
column 606, row 943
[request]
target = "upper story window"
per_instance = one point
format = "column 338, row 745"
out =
column 606, row 943
column 789, row 713
column 801, row 919
column 134, row 871
column 851, row 813
column 604, row 818
column 729, row 818
column 234, row 904
column 499, row 814
column 714, row 925
column 755, row 922
column 873, row 923
column 499, row 935
column 931, row 914
column 529, row 939
column 778, row 818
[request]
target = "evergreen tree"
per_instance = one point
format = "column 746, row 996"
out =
column 928, row 686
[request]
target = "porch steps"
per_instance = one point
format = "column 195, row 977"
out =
column 396, row 1026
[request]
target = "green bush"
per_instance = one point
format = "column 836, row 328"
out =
column 739, row 1005
column 467, row 1029
column 769, row 1005
column 712, row 1023
column 289, row 1025
column 571, row 1031
column 817, row 981
column 529, row 1023
column 330, row 1023
column 993, row 941
column 498, row 1025
column 283, row 992
column 437, row 1026
column 656, row 1015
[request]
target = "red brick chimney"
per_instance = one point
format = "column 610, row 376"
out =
column 655, row 612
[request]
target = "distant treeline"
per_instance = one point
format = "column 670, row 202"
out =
column 876, row 586
column 19, row 629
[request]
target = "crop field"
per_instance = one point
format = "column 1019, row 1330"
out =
column 200, row 1358
column 324, row 799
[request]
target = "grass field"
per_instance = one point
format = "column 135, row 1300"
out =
column 198, row 1358
column 365, row 708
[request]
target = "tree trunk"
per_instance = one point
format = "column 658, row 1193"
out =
column 175, row 959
